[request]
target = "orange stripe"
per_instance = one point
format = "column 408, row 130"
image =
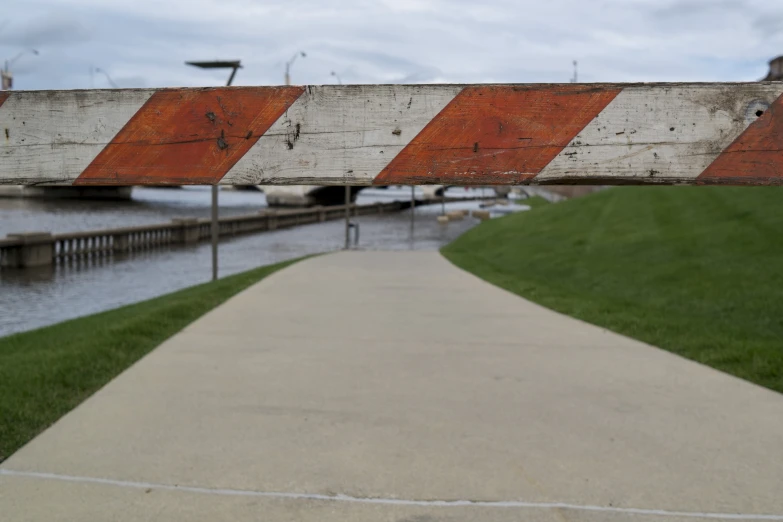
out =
column 496, row 134
column 188, row 136
column 755, row 157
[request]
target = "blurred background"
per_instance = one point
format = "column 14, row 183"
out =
column 83, row 44
column 145, row 43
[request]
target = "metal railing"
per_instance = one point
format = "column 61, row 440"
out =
column 45, row 248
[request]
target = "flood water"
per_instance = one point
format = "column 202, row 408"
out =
column 38, row 297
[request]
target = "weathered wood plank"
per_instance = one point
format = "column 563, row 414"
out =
column 189, row 136
column 664, row 134
column 53, row 136
column 729, row 133
column 333, row 134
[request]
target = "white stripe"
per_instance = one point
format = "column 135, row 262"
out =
column 345, row 134
column 52, row 138
column 391, row 501
column 666, row 133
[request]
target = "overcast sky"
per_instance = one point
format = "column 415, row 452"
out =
column 144, row 43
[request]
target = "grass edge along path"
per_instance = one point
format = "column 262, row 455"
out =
column 696, row 271
column 45, row 373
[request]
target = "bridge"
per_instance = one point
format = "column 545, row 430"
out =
column 309, row 195
column 276, row 196
column 65, row 192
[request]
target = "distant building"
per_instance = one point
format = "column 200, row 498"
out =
column 6, row 80
column 775, row 70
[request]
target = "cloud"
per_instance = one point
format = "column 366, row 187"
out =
column 146, row 42
column 697, row 8
column 423, row 75
column 769, row 26
column 44, row 30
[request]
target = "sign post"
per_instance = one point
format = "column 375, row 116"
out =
column 215, row 224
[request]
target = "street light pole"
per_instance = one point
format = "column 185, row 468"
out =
column 9, row 63
column 233, row 65
column 6, row 78
column 288, row 65
column 111, row 82
column 339, row 82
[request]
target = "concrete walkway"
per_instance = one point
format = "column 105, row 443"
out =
column 371, row 386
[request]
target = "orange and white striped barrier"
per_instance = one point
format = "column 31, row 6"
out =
column 727, row 133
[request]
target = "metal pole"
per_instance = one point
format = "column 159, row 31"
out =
column 288, row 66
column 215, row 225
column 214, row 232
column 231, row 78
column 413, row 206
column 347, row 217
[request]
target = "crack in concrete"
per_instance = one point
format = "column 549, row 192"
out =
column 390, row 501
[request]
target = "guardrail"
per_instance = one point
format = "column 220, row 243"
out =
column 32, row 249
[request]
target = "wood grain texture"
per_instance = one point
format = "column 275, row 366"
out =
column 335, row 134
column 188, row 136
column 659, row 134
column 497, row 135
column 756, row 156
column 52, row 136
column 726, row 133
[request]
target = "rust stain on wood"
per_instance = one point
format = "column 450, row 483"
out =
column 188, row 136
column 756, row 154
column 497, row 134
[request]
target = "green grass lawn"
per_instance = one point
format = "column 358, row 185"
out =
column 694, row 270
column 45, row 373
